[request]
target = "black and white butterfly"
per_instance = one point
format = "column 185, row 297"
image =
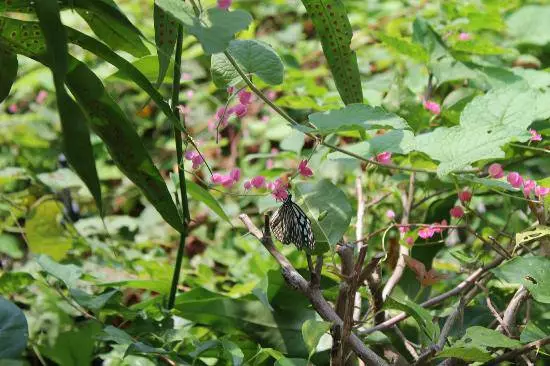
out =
column 290, row 224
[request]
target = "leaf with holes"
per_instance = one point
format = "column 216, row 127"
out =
column 166, row 33
column 333, row 27
column 531, row 272
column 254, row 57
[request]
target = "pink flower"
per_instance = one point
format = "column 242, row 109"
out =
column 41, row 96
column 409, row 240
column 245, row 97
column 269, row 164
column 13, row 108
column 227, row 181
column 464, row 36
column 390, row 214
column 190, row 93
column 280, row 190
column 465, row 196
column 197, row 161
column 247, row 185
column 528, row 186
column 270, row 186
column 426, row 232
column 189, row 155
column 258, row 181
column 224, row 4
column 271, row 95
column 230, row 90
column 304, row 170
column 515, row 179
column 541, row 191
column 384, row 157
column 265, row 119
column 186, row 76
column 535, row 136
column 495, row 171
column 217, row 178
column 432, row 106
column 222, row 116
column 240, row 110
column 403, row 228
column 457, row 212
column 235, row 174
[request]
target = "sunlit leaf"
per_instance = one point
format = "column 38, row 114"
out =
column 312, row 331
column 531, row 272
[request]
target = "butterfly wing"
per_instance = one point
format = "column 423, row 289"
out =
column 290, row 224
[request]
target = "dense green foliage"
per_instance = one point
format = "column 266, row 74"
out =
column 137, row 137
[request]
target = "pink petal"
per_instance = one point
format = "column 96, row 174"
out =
column 258, row 181
column 41, row 96
column 235, row 174
column 247, row 185
column 409, row 240
column 240, row 110
column 515, row 179
column 227, row 181
column 224, row 4
column 465, row 196
column 464, row 36
column 426, row 232
column 384, row 157
column 189, row 155
column 245, row 97
column 217, row 178
column 535, row 136
column 403, row 228
column 541, row 191
column 197, row 161
column 457, row 212
column 528, row 186
column 495, row 171
column 432, row 106
column 390, row 214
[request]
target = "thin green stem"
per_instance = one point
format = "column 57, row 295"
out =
column 532, row 148
column 292, row 121
column 181, row 173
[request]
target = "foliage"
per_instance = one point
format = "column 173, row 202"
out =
column 414, row 135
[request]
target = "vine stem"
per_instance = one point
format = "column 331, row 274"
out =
column 293, row 122
column 181, row 173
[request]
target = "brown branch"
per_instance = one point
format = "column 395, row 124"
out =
column 518, row 352
column 403, row 250
column 345, row 252
column 461, row 287
column 371, row 274
column 509, row 316
column 296, row 281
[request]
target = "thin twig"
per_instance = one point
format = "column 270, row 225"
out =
column 509, row 316
column 518, row 351
column 296, row 281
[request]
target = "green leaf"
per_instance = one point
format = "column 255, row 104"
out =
column 111, row 124
column 394, row 141
column 8, row 72
column 539, row 232
column 531, row 272
column 13, row 330
column 74, row 347
column 486, row 124
column 213, row 32
column 116, row 335
column 160, row 286
column 529, row 25
column 22, row 37
column 355, row 117
column 312, row 331
column 112, row 26
column 235, row 354
column 200, row 194
column 479, row 46
column 473, row 345
column 67, row 273
column 535, row 330
column 422, row 316
column 254, row 57
column 76, row 136
column 488, row 182
column 13, row 282
column 334, row 30
column 280, row 330
column 44, row 231
column 166, row 32
column 316, row 198
column 9, row 245
column 404, row 47
column 284, row 361
column 93, row 302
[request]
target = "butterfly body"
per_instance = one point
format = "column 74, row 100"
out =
column 290, row 225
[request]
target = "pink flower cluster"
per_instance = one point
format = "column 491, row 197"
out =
column 535, row 136
column 194, row 157
column 427, row 232
column 384, row 158
column 227, row 180
column 240, row 110
column 432, row 106
column 517, row 181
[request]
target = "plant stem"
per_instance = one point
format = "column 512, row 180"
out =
column 181, row 172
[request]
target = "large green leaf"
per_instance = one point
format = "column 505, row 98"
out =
column 334, row 30
column 44, row 231
column 280, row 329
column 254, row 57
column 111, row 26
column 353, row 117
column 531, row 272
column 312, row 331
column 202, row 195
column 473, row 345
column 530, row 25
column 111, row 124
column 166, row 32
column 8, row 72
column 76, row 135
column 422, row 316
column 328, row 209
column 215, row 30
column 486, row 124
column 13, row 330
column 68, row 273
column 404, row 47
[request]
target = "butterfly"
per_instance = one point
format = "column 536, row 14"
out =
column 290, row 224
